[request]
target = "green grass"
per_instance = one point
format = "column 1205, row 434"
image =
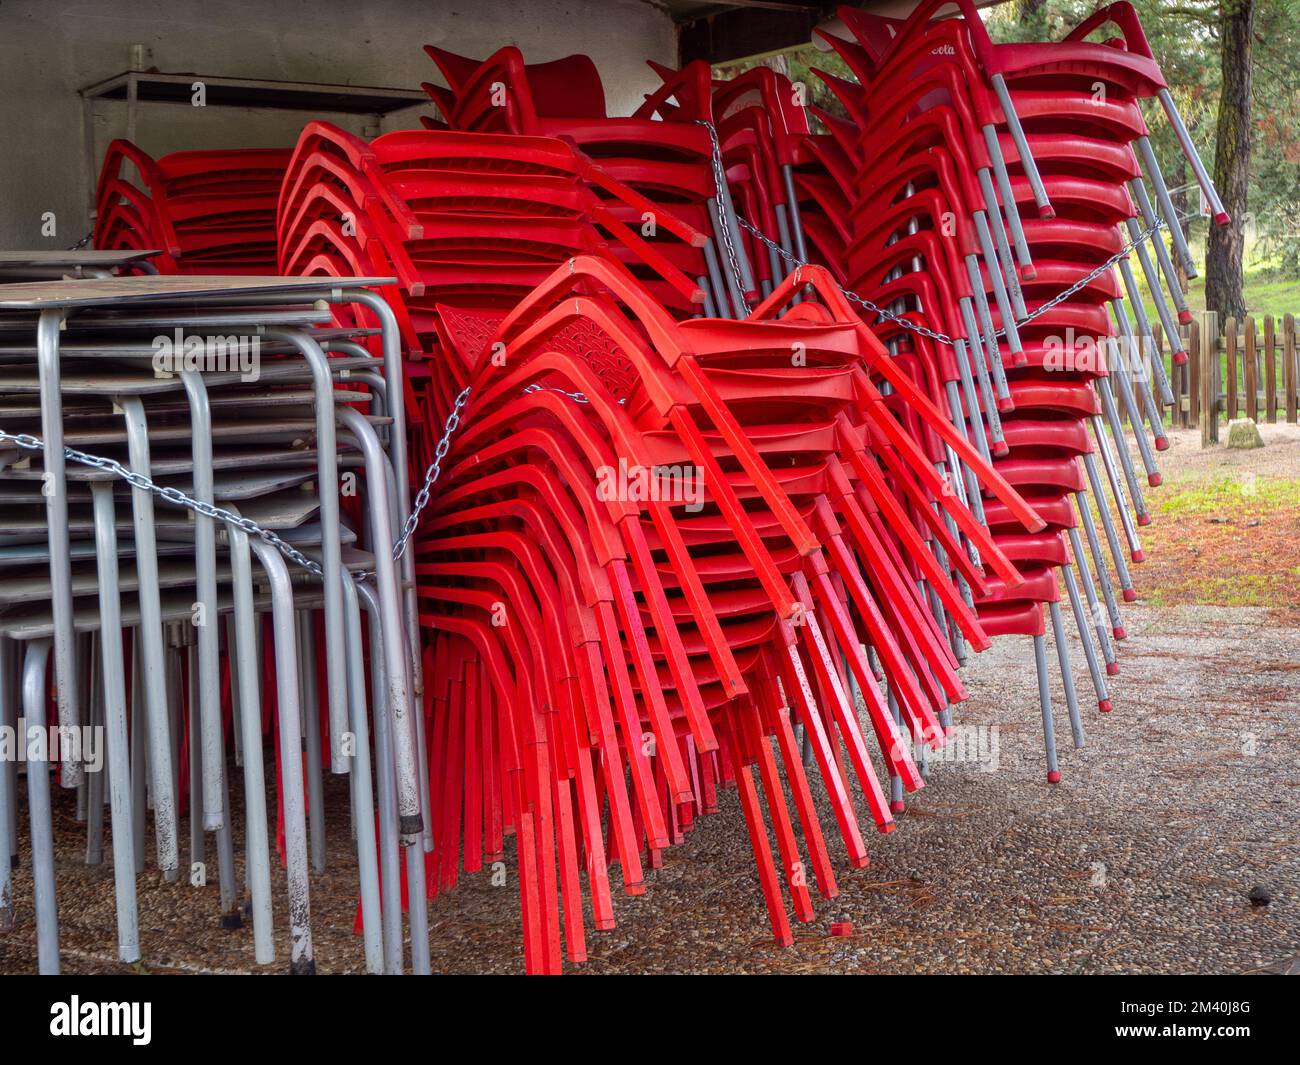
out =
column 1248, row 589
column 1264, row 290
column 1227, row 493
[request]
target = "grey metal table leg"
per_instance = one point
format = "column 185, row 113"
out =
column 55, row 490
column 38, row 804
column 258, row 867
column 114, row 703
column 411, row 822
column 395, row 397
column 210, row 737
column 301, row 959
column 153, row 652
column 386, row 778
column 363, row 805
column 331, row 552
column 8, row 786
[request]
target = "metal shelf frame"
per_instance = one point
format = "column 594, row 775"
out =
column 137, row 88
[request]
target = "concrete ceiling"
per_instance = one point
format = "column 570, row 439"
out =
column 737, row 29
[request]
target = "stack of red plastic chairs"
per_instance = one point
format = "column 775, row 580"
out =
column 469, row 224
column 587, row 630
column 970, row 188
column 205, row 212
column 989, row 179
column 701, row 498
column 611, row 648
column 594, row 616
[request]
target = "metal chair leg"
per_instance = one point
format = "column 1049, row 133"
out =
column 359, row 777
column 258, row 864
column 150, row 635
column 8, row 787
column 55, row 490
column 38, row 805
column 301, row 958
column 114, row 704
column 1045, row 704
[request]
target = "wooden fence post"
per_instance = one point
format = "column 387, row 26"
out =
column 1249, row 369
column 1193, row 375
column 1270, row 369
column 1230, row 369
column 1209, row 360
column 1289, row 366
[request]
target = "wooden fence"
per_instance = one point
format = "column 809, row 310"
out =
column 1247, row 367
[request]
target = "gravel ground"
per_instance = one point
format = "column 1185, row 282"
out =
column 1140, row 860
column 1187, row 461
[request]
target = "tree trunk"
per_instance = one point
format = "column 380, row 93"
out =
column 1223, row 253
column 1028, row 8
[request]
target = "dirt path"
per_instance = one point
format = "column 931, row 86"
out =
column 1226, row 529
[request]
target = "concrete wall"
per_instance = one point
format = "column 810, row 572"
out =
column 51, row 48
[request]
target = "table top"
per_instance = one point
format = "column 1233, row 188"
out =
column 92, row 257
column 98, row 292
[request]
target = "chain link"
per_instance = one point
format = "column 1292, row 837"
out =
column 943, row 338
column 178, row 498
column 862, row 301
column 170, row 495
column 577, row 397
column 432, row 473
column 724, row 227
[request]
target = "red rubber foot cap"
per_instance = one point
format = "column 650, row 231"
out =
column 1222, row 219
column 1120, row 633
column 1028, row 273
column 1047, row 211
column 1053, row 777
column 1130, row 596
column 1144, row 519
column 1104, row 706
column 1001, row 448
column 1162, row 443
column 1139, row 556
column 1007, row 404
column 1112, row 668
column 1180, row 357
column 1154, row 479
column 842, row 928
column 898, row 807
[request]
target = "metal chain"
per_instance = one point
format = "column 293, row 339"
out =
column 724, row 228
column 577, row 397
column 432, row 473
column 170, row 495
column 178, row 498
column 942, row 338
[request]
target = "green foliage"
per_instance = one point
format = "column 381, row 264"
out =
column 1184, row 37
column 1228, row 496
